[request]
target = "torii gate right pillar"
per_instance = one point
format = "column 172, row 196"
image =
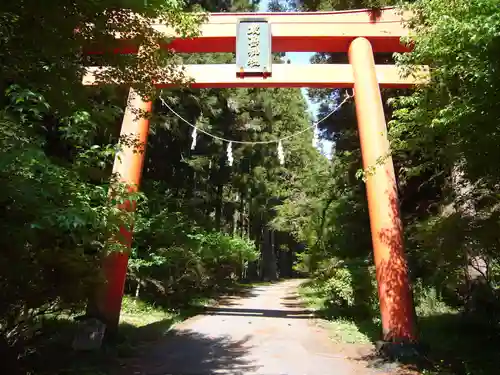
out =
column 396, row 305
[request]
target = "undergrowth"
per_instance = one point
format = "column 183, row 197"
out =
column 454, row 344
column 342, row 329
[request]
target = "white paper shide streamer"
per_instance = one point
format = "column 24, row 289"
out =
column 281, row 154
column 230, row 153
column 193, row 135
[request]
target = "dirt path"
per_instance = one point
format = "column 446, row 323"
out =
column 264, row 333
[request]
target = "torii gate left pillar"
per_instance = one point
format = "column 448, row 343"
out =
column 127, row 169
column 359, row 36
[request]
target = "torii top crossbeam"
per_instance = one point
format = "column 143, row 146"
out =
column 297, row 32
column 304, row 32
column 291, row 32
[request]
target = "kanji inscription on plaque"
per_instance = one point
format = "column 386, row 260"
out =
column 253, row 47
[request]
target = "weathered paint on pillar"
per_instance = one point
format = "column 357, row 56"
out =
column 128, row 169
column 396, row 305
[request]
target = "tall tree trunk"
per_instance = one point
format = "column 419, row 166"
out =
column 476, row 263
column 249, row 220
column 218, row 207
column 254, row 233
column 236, row 215
column 242, row 216
column 269, row 270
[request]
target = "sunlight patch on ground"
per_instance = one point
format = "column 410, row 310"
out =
column 346, row 332
column 139, row 314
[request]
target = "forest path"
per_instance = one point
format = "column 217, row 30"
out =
column 265, row 332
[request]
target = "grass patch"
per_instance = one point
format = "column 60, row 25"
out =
column 138, row 313
column 456, row 345
column 345, row 331
column 342, row 329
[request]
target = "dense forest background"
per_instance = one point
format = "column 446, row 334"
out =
column 201, row 224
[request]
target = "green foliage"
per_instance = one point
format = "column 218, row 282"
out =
column 461, row 45
column 181, row 259
column 349, row 286
column 445, row 147
column 42, row 44
column 448, row 128
column 55, row 224
column 202, row 225
column 343, row 330
column 319, row 5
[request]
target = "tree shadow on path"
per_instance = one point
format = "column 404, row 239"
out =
column 186, row 352
column 262, row 313
column 153, row 349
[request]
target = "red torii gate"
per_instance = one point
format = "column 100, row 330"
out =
column 358, row 33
